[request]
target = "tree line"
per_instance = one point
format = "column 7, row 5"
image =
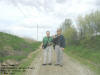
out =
column 86, row 27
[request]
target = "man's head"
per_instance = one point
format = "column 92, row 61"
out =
column 48, row 33
column 59, row 31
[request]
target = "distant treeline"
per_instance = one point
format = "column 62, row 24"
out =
column 86, row 27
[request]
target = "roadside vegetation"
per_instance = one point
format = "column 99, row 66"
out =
column 83, row 41
column 13, row 50
column 13, row 47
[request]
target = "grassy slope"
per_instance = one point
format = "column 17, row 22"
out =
column 26, row 64
column 13, row 47
column 87, row 53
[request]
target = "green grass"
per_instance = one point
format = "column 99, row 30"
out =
column 87, row 53
column 26, row 63
column 18, row 58
column 13, row 47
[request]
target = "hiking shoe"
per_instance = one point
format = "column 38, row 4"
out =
column 44, row 64
column 56, row 64
column 50, row 64
column 61, row 65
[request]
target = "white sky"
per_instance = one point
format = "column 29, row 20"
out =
column 20, row 17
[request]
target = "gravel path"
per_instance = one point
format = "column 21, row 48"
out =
column 70, row 67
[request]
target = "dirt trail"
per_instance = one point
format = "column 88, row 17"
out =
column 71, row 67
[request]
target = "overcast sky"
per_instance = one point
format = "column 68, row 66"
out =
column 20, row 17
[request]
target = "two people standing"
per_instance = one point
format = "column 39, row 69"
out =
column 58, row 42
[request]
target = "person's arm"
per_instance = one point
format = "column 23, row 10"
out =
column 54, row 39
column 42, row 43
column 63, row 43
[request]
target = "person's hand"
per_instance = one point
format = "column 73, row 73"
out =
column 54, row 36
column 62, row 48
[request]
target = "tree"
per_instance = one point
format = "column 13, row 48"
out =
column 66, row 24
